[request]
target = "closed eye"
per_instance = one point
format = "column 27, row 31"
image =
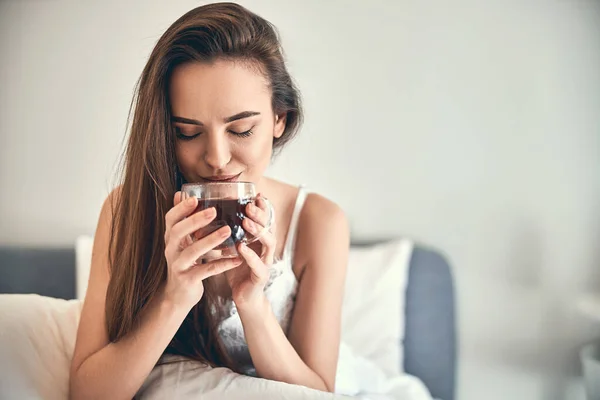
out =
column 242, row 134
column 182, row 136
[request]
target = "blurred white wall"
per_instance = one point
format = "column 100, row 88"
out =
column 472, row 127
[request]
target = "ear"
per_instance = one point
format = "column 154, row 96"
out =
column 280, row 121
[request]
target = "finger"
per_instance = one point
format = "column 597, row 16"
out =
column 266, row 238
column 179, row 236
column 261, row 203
column 257, row 214
column 193, row 252
column 259, row 271
column 266, row 206
column 269, row 245
column 177, row 198
column 180, row 211
column 207, row 270
column 192, row 224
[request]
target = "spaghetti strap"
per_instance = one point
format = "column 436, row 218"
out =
column 290, row 240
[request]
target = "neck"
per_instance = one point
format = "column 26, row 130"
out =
column 263, row 186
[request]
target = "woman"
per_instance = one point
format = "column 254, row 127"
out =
column 213, row 103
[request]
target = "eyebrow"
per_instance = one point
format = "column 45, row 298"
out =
column 242, row 115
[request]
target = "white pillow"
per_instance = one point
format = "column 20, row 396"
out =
column 37, row 338
column 373, row 308
column 83, row 262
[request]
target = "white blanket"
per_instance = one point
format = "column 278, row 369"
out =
column 184, row 379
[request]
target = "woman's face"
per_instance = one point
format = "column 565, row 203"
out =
column 224, row 122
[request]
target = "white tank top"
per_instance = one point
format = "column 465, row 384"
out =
column 280, row 290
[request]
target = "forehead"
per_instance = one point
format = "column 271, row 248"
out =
column 217, row 89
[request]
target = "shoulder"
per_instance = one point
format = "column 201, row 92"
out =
column 110, row 204
column 323, row 231
column 114, row 196
column 317, row 209
column 106, row 219
column 319, row 212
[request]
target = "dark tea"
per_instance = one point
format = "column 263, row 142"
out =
column 229, row 200
column 229, row 212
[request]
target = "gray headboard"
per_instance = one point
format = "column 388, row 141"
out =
column 430, row 348
column 430, row 340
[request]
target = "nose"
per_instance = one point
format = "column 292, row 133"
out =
column 217, row 154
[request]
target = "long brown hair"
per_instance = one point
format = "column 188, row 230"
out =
column 138, row 267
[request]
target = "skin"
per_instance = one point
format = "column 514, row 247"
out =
column 211, row 94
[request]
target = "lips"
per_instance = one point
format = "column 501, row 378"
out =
column 222, row 178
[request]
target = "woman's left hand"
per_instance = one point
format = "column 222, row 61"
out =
column 247, row 282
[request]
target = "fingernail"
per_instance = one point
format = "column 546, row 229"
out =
column 189, row 201
column 210, row 211
column 251, row 225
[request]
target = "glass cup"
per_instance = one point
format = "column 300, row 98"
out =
column 230, row 200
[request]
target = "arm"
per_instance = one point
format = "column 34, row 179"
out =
column 309, row 356
column 104, row 370
column 100, row 369
column 119, row 369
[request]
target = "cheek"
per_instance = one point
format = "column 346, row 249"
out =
column 186, row 157
column 255, row 152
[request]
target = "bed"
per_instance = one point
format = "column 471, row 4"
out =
column 429, row 340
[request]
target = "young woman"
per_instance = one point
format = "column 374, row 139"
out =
column 213, row 103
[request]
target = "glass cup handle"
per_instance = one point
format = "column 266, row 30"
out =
column 265, row 228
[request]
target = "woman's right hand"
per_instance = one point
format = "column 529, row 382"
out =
column 184, row 278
